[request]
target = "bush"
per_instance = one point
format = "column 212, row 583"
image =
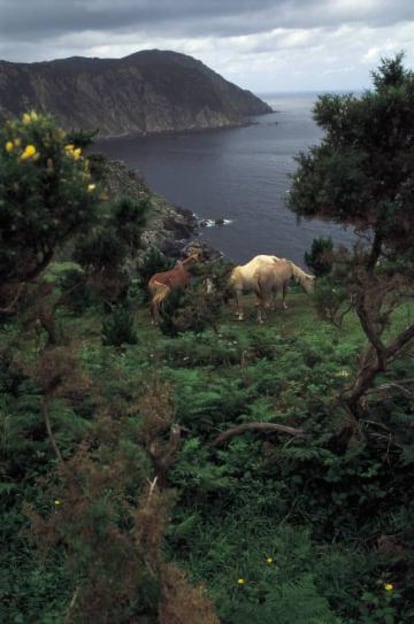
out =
column 319, row 258
column 118, row 328
column 46, row 194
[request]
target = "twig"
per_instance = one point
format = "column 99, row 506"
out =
column 46, row 416
column 71, row 605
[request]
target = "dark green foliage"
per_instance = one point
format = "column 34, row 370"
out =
column 191, row 310
column 82, row 138
column 129, row 217
column 319, row 258
column 99, row 250
column 118, row 328
column 77, row 294
column 118, row 235
column 331, row 297
column 288, row 602
column 361, row 172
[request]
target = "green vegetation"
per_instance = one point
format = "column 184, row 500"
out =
column 215, row 471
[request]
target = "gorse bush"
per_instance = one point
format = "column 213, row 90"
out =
column 46, row 194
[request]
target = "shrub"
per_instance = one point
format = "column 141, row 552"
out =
column 118, row 328
column 46, row 194
column 319, row 257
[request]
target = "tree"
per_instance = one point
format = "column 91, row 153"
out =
column 362, row 175
column 46, row 195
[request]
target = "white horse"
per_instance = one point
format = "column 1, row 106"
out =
column 269, row 280
column 265, row 275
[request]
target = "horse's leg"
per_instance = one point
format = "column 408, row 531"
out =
column 261, row 305
column 156, row 301
column 154, row 309
column 239, row 310
column 284, row 293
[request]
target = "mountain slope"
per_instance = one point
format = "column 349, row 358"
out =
column 148, row 92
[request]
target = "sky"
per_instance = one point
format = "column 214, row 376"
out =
column 262, row 45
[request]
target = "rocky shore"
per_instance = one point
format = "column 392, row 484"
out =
column 171, row 229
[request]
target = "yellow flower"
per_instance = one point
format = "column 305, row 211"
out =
column 388, row 587
column 57, row 502
column 17, row 142
column 269, row 560
column 26, row 118
column 241, row 581
column 29, row 151
column 9, row 146
column 74, row 152
column 91, row 187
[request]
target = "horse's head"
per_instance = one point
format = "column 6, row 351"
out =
column 192, row 257
column 308, row 283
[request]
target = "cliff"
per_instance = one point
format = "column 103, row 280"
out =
column 148, row 92
column 169, row 228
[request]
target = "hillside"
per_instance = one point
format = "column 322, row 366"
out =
column 148, row 92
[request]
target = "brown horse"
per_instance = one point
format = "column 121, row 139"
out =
column 161, row 284
column 265, row 276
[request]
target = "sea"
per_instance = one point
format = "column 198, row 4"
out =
column 236, row 180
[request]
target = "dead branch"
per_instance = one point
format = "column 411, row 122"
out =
column 256, row 426
column 46, row 416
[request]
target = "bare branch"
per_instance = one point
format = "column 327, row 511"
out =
column 256, row 426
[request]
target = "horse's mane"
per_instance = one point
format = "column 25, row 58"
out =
column 300, row 275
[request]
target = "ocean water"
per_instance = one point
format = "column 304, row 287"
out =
column 240, row 175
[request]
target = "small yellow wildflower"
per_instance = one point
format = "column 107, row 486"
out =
column 57, row 502
column 9, row 146
column 27, row 119
column 29, row 151
column 69, row 147
column 388, row 587
column 269, row 560
column 18, row 142
column 91, row 187
column 77, row 153
column 241, row 581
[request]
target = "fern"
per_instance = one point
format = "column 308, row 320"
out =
column 296, row 602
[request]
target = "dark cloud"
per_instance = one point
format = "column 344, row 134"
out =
column 25, row 20
column 296, row 43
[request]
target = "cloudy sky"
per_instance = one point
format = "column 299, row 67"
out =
column 262, row 45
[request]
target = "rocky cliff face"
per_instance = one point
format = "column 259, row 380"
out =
column 168, row 228
column 147, row 92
